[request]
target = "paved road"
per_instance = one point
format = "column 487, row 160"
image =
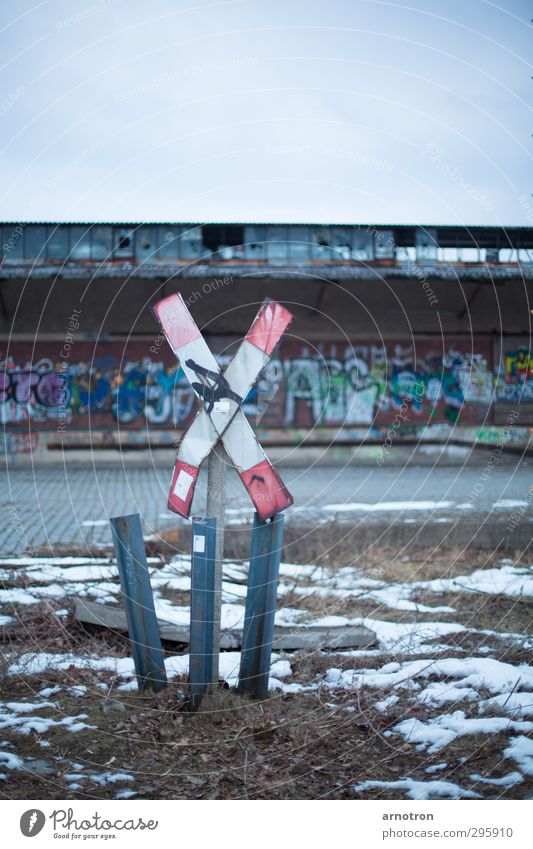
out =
column 69, row 506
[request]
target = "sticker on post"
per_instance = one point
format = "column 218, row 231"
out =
column 183, row 484
column 221, row 407
column 198, row 543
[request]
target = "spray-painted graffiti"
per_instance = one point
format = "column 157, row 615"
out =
column 330, row 385
column 364, row 383
column 128, row 392
column 12, row 444
column 334, row 389
column 515, row 378
column 22, row 388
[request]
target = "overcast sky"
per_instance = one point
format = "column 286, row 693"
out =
column 356, row 111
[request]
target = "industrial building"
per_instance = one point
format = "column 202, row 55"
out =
column 399, row 332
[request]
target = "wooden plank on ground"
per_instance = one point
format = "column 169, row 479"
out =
column 309, row 637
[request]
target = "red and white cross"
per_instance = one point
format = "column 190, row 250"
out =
column 222, row 394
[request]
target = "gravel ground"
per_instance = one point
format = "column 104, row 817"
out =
column 69, row 505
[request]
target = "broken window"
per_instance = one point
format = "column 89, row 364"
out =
column 58, row 243
column 342, row 243
column 299, row 244
column 34, row 241
column 362, row 247
column 426, row 244
column 321, row 243
column 124, row 240
column 145, row 244
column 101, row 242
column 384, row 244
column 80, row 242
column 277, row 244
column 190, row 243
column 254, row 243
column 168, row 242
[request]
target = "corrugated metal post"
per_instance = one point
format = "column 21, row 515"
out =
column 216, row 506
column 201, row 656
column 258, row 631
column 143, row 629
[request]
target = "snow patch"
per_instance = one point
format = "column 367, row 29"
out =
column 421, row 789
column 505, row 781
column 393, row 506
column 440, row 731
column 520, row 749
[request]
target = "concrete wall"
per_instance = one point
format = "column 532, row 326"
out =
column 74, row 383
column 380, row 307
column 85, row 355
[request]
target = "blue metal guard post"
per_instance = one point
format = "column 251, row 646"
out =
column 202, row 608
column 143, row 629
column 258, row 631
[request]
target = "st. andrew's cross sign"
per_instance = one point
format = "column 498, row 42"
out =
column 222, row 394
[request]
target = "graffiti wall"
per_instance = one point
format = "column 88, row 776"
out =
column 138, row 385
column 514, row 366
column 97, row 387
column 513, row 378
column 359, row 384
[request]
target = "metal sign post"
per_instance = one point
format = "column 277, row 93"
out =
column 216, row 506
column 258, row 632
column 201, row 655
column 220, row 429
column 143, row 629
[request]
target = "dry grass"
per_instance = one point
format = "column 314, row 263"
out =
column 311, row 745
column 288, row 747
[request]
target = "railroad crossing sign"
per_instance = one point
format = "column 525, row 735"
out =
column 222, row 396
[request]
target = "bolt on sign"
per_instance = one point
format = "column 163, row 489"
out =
column 222, row 395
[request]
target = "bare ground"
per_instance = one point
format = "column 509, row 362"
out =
column 311, row 745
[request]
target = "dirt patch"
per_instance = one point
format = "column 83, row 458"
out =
column 428, row 565
column 302, row 745
column 307, row 746
column 485, row 611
